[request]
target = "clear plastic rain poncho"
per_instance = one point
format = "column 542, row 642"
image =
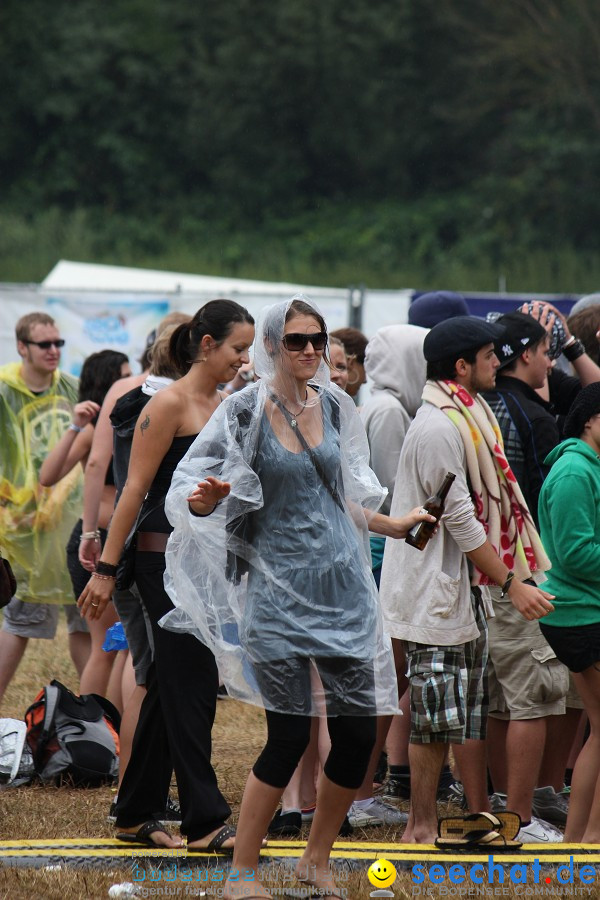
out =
column 277, row 580
column 36, row 522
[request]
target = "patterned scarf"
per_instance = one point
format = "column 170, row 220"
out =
column 499, row 502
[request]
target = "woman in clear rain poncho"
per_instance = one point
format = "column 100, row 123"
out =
column 268, row 564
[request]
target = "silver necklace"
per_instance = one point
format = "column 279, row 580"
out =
column 293, row 418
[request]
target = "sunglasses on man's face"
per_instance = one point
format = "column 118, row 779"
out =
column 45, row 345
column 299, row 341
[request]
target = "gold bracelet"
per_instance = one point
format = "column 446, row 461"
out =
column 103, row 577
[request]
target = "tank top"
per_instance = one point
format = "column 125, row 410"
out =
column 152, row 517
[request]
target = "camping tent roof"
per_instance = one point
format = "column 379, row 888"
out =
column 68, row 275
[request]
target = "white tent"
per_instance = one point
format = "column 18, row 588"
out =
column 97, row 306
column 70, row 276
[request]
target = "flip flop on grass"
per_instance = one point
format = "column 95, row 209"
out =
column 505, row 823
column 478, row 839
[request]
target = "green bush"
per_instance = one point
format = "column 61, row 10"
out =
column 440, row 242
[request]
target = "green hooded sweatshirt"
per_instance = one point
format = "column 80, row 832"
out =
column 569, row 512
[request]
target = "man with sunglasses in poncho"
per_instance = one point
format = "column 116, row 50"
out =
column 36, row 407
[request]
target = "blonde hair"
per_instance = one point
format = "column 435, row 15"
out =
column 159, row 355
column 172, row 319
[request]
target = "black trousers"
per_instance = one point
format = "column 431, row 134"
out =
column 174, row 727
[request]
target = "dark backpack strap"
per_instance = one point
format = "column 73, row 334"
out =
column 51, row 697
column 110, row 712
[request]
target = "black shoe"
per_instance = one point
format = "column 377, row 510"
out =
column 397, row 786
column 171, row 815
column 451, row 791
column 285, row 824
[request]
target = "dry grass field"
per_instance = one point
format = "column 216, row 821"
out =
column 38, row 812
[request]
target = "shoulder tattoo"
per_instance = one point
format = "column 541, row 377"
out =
column 145, row 424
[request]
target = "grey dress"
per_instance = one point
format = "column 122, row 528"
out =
column 314, row 597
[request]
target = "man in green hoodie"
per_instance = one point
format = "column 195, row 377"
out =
column 569, row 511
column 36, row 404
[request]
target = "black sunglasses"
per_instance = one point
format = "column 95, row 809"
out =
column 45, row 345
column 299, row 341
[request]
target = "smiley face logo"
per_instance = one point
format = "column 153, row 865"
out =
column 381, row 873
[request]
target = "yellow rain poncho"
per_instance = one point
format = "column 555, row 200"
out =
column 35, row 522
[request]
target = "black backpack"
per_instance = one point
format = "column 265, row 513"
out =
column 73, row 740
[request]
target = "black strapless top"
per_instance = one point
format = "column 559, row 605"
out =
column 153, row 508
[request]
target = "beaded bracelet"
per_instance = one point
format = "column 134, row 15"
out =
column 74, row 427
column 104, row 577
column 89, row 536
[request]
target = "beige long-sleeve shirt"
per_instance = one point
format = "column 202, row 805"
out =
column 425, row 595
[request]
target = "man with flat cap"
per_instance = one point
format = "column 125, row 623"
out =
column 435, row 604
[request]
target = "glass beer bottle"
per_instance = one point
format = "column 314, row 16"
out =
column 419, row 534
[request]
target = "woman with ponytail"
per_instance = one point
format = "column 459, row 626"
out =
column 174, row 727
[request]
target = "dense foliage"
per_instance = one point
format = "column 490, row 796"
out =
column 441, row 130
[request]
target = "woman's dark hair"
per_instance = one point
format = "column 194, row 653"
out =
column 445, row 369
column 98, row 372
column 216, row 318
column 301, row 308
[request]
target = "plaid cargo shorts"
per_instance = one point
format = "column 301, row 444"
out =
column 448, row 688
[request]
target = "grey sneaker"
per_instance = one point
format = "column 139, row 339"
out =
column 376, row 813
column 550, row 806
column 498, row 802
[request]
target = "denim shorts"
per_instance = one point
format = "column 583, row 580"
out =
column 39, row 620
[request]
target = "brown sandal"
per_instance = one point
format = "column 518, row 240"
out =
column 479, row 830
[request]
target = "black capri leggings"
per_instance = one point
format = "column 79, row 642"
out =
column 352, row 740
column 286, row 681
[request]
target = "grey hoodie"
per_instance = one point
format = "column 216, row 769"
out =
column 395, row 366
